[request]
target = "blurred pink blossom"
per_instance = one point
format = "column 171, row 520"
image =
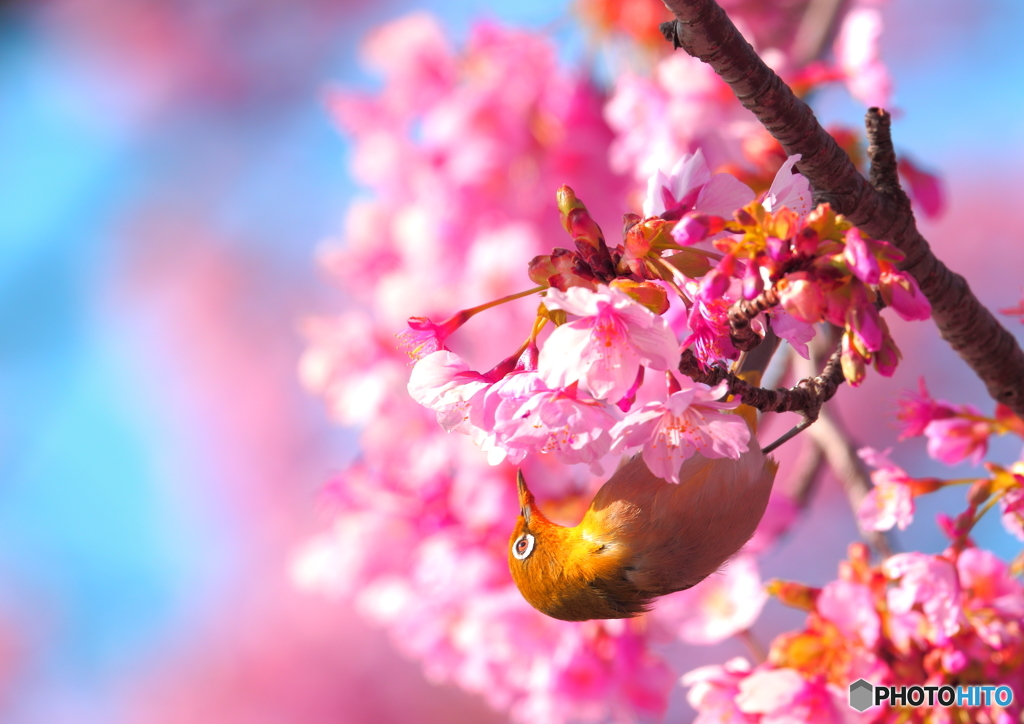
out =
column 718, row 607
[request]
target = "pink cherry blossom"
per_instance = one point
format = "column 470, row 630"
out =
column 917, row 410
column 782, row 695
column 691, row 186
column 713, row 690
column 928, row 581
column 797, row 332
column 1013, row 512
column 985, row 578
column 604, row 349
column 537, row 418
column 860, row 257
column 690, row 421
column 851, row 607
column 789, row 189
column 709, row 338
column 444, row 382
column 891, row 501
column 954, row 439
column 901, row 292
column 925, row 189
column 857, row 51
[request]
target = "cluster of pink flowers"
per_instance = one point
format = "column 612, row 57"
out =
column 955, row 433
column 575, row 398
column 461, row 150
column 683, row 105
column 820, row 266
column 912, row 620
column 604, row 381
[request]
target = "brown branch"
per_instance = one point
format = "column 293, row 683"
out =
column 743, row 336
column 806, row 397
column 833, row 444
column 704, row 30
column 842, row 457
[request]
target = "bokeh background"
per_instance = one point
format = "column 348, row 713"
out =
column 167, row 169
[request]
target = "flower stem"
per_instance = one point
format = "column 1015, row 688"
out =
column 755, row 647
column 494, row 303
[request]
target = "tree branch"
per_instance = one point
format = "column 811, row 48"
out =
column 704, row 30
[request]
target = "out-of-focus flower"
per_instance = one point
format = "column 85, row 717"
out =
column 718, row 607
column 713, row 690
column 1017, row 311
column 925, row 189
column 856, row 49
column 931, row 582
column 891, row 502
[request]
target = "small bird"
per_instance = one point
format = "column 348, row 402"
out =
column 641, row 537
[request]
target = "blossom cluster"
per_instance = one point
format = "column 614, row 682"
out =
column 592, row 387
column 955, row 433
column 912, row 620
column 460, row 150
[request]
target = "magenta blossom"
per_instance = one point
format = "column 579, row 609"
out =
column 713, row 690
column 900, row 291
column 604, row 349
column 690, row 421
column 783, row 695
column 691, row 186
column 537, row 418
column 917, row 410
column 443, row 382
column 851, row 607
column 957, row 438
column 932, row 583
column 425, row 337
column 1013, row 511
column 789, row 189
column 891, row 501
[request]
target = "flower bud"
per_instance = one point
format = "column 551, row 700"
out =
column 793, row 594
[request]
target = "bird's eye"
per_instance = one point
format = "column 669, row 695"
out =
column 523, row 546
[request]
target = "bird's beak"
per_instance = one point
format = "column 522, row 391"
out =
column 525, row 497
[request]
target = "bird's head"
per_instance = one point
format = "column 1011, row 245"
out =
column 564, row 573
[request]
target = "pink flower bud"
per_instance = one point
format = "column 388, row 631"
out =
column 900, row 291
column 753, row 284
column 852, row 361
column 802, row 297
column 858, row 256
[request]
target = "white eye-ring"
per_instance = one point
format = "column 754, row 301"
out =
column 523, row 546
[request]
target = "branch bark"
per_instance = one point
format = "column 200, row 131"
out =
column 704, row 30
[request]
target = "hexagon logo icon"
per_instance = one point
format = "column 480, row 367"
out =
column 861, row 694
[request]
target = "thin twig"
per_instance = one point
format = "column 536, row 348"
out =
column 704, row 30
column 849, row 469
column 835, row 446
